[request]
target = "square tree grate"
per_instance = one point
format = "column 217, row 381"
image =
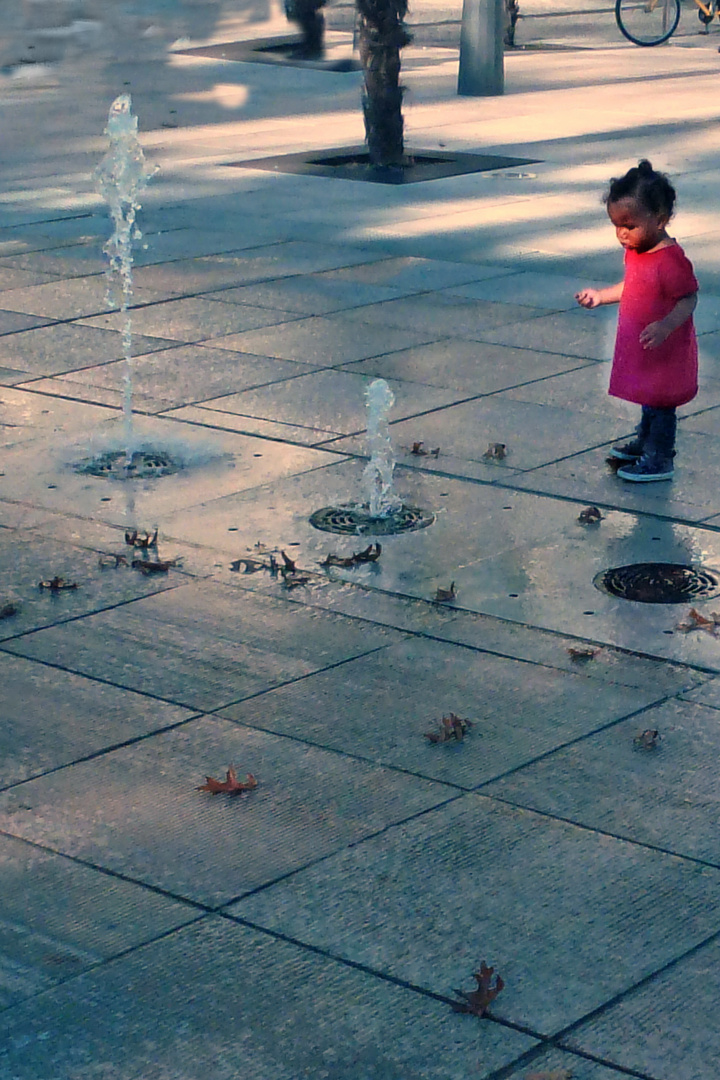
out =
column 353, row 163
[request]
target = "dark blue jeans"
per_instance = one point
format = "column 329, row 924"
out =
column 656, row 432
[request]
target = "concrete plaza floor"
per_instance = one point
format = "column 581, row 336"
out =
column 318, row 925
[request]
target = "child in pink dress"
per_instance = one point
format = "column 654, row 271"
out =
column 655, row 359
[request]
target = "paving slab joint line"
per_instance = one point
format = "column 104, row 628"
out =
column 382, row 975
column 600, row 832
column 105, row 961
column 347, row 847
column 197, row 905
column 101, row 753
column 505, row 1072
column 557, row 1039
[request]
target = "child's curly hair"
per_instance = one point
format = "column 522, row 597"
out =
column 652, row 189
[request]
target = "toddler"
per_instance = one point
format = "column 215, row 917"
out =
column 655, row 358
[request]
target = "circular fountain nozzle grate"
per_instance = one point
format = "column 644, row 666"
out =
column 659, row 583
column 357, row 521
column 143, row 465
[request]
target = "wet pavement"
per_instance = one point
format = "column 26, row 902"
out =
column 320, row 924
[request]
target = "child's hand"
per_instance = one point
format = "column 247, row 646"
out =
column 588, row 298
column 653, row 335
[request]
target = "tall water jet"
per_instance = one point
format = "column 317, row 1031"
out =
column 378, row 474
column 120, row 178
column 382, row 513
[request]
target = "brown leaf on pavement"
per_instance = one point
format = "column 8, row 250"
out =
column 153, row 566
column 110, row 561
column 496, row 451
column 451, row 727
column 248, row 566
column 289, row 564
column 477, row 1001
column 647, row 740
column 141, row 539
column 371, row 554
column 695, row 621
column 8, row 610
column 590, row 516
column 576, row 652
column 443, row 595
column 230, row 785
column 418, row 449
column 57, row 584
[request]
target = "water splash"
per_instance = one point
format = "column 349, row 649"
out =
column 120, row 177
column 378, row 473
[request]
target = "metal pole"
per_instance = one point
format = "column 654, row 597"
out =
column 481, row 48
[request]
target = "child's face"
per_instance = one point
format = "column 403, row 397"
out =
column 635, row 227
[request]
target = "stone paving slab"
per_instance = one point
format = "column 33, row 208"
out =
column 326, row 340
column 379, row 707
column 41, row 473
column 464, row 431
column 27, row 559
column 217, row 644
column 444, row 314
column 308, row 294
column 51, row 718
column 193, row 319
column 468, row 366
column 588, row 334
column 67, row 299
column 174, row 377
column 50, row 350
column 12, row 321
column 691, row 496
column 389, row 1033
column 664, row 797
column 211, row 849
column 567, row 917
column 328, row 403
column 61, row 918
column 549, row 1065
column 412, row 273
column 273, row 261
column 525, row 287
column 27, row 414
column 682, row 1044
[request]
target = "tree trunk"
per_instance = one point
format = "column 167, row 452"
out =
column 310, row 19
column 381, row 35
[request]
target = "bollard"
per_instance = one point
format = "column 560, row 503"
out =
column 481, row 48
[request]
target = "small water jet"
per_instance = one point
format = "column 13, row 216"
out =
column 120, row 178
column 383, row 513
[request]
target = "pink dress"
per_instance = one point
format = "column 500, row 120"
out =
column 665, row 376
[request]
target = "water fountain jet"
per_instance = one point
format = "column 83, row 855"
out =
column 383, row 513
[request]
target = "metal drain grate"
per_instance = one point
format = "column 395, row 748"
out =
column 143, row 465
column 356, row 521
column 659, row 583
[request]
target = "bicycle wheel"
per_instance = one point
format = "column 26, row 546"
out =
column 647, row 22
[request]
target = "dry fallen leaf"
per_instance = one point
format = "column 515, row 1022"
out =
column 590, row 516
column 248, row 566
column 418, row 448
column 57, row 584
column 153, row 566
column 230, row 785
column 141, row 539
column 696, row 621
column 551, row 1074
column 647, row 740
column 291, row 580
column 288, row 563
column 443, row 595
column 111, row 561
column 496, row 451
column 451, row 727
column 8, row 610
column 614, row 464
column 371, row 554
column 582, row 653
column 477, row 1001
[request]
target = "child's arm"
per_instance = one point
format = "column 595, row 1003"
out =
column 592, row 298
column 654, row 334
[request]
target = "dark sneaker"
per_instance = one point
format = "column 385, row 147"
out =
column 629, row 452
column 644, row 471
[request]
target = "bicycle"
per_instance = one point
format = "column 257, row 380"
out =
column 650, row 22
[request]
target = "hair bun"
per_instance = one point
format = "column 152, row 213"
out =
column 644, row 167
